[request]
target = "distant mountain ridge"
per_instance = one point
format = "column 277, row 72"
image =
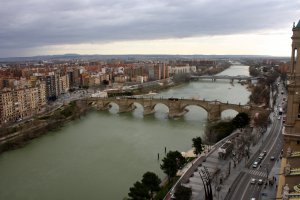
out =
column 128, row 57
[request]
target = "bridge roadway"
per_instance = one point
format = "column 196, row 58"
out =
column 225, row 77
column 177, row 107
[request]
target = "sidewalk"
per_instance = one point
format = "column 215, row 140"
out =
column 220, row 168
column 269, row 192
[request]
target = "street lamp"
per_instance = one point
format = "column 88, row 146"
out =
column 206, row 179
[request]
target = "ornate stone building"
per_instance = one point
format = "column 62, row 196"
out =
column 289, row 181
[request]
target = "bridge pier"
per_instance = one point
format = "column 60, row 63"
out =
column 126, row 108
column 214, row 114
column 102, row 106
column 148, row 110
column 177, row 112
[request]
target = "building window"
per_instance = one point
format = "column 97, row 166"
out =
column 295, row 55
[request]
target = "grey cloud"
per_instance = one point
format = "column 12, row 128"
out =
column 33, row 23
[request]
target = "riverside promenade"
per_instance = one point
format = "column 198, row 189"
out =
column 218, row 169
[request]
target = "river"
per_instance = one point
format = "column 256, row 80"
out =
column 101, row 155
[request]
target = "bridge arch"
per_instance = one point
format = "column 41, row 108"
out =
column 228, row 113
column 195, row 113
column 174, row 107
column 161, row 107
column 195, row 105
column 112, row 107
column 138, row 109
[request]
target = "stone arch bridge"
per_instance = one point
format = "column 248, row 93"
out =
column 177, row 107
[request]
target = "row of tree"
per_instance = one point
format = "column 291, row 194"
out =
column 217, row 131
column 174, row 161
column 171, row 163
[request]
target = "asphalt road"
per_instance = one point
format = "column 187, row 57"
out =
column 245, row 189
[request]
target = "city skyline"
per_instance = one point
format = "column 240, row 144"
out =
column 139, row 27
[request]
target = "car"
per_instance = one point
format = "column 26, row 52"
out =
column 279, row 118
column 255, row 164
column 261, row 156
column 265, row 152
column 259, row 159
column 253, row 181
column 272, row 158
column 260, row 182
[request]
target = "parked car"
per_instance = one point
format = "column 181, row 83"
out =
column 265, row 152
column 260, row 181
column 272, row 158
column 253, row 181
column 255, row 164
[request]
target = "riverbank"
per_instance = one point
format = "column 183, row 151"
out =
column 42, row 125
column 17, row 136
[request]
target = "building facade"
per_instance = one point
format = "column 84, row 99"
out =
column 16, row 104
column 289, row 181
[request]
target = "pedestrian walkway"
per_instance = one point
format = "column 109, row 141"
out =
column 256, row 173
column 269, row 192
column 222, row 176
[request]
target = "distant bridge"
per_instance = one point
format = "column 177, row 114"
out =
column 225, row 77
column 177, row 107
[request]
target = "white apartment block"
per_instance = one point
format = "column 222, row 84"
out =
column 182, row 69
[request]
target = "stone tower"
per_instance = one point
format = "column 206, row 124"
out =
column 291, row 132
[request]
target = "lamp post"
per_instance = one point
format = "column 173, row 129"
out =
column 206, row 179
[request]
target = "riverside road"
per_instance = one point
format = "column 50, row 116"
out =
column 272, row 145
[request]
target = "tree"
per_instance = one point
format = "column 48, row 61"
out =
column 260, row 94
column 138, row 192
column 151, row 181
column 261, row 120
column 172, row 163
column 241, row 120
column 254, row 71
column 217, row 131
column 197, row 144
column 183, row 193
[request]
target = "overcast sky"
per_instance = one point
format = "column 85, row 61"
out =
column 40, row 27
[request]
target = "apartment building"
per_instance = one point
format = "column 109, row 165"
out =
column 64, row 84
column 17, row 104
column 182, row 69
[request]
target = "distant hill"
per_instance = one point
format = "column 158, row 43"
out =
column 129, row 57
